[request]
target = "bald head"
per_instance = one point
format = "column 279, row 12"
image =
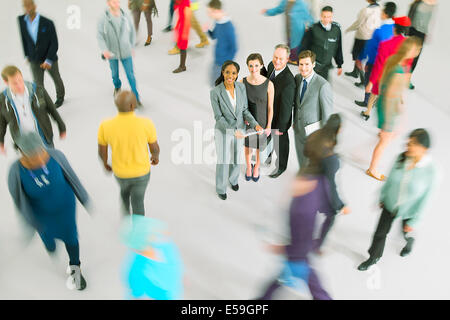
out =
column 125, row 101
column 29, row 7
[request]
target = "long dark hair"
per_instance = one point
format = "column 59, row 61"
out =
column 331, row 128
column 422, row 137
column 220, row 79
column 257, row 56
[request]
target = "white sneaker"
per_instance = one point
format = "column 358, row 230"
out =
column 75, row 279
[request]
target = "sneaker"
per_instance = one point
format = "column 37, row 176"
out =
column 75, row 279
column 173, row 51
column 202, row 44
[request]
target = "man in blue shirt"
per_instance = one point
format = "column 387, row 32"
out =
column 383, row 33
column 40, row 45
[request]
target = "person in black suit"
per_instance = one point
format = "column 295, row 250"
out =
column 40, row 44
column 284, row 84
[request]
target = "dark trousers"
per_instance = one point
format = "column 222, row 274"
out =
column 414, row 32
column 383, row 228
column 322, row 69
column 38, row 77
column 133, row 191
column 326, row 227
column 171, row 12
column 148, row 18
column 72, row 248
column 281, row 148
column 315, row 287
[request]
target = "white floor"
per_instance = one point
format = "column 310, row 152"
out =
column 221, row 242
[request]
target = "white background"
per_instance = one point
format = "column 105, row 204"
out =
column 221, row 242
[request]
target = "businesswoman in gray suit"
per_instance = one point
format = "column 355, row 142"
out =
column 230, row 106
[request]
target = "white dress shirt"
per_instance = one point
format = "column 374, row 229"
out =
column 232, row 100
column 26, row 118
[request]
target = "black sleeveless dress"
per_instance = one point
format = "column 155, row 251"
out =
column 257, row 105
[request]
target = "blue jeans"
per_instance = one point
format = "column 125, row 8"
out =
column 128, row 66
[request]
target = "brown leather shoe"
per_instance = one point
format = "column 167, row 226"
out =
column 179, row 69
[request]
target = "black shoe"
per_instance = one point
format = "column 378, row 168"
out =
column 407, row 249
column 223, row 196
column 235, row 187
column 149, row 40
column 411, row 86
column 248, row 178
column 366, row 264
column 359, row 84
column 167, row 29
column 353, row 74
column 276, row 174
column 361, row 103
column 255, row 179
column 116, row 91
column 365, row 116
column 59, row 103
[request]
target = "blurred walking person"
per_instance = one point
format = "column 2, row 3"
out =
column 298, row 19
column 26, row 107
column 421, row 14
column 40, row 45
column 310, row 194
column 225, row 36
column 329, row 166
column 182, row 7
column 383, row 33
column 43, row 186
column 130, row 138
column 369, row 19
column 405, row 195
column 385, row 50
column 390, row 101
column 148, row 7
column 324, row 38
column 116, row 37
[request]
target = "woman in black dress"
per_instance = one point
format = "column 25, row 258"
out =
column 260, row 93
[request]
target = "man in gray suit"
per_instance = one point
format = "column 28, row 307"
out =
column 313, row 102
column 230, row 106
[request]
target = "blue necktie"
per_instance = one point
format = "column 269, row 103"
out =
column 272, row 76
column 305, row 85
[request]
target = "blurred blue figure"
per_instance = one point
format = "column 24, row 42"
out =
column 153, row 267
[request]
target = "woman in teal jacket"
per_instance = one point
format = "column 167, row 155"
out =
column 405, row 194
column 296, row 22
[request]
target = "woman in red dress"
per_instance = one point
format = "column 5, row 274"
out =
column 182, row 31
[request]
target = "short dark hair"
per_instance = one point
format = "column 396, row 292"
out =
column 390, row 8
column 215, row 4
column 401, row 29
column 307, row 54
column 327, row 9
column 422, row 137
column 9, row 71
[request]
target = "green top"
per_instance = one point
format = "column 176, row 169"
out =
column 388, row 109
column 407, row 192
column 136, row 4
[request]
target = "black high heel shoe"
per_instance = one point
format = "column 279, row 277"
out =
column 365, row 116
column 255, row 178
column 248, row 178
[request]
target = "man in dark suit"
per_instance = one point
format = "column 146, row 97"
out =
column 283, row 103
column 40, row 44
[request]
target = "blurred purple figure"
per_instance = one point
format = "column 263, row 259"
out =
column 311, row 194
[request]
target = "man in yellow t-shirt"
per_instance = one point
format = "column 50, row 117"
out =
column 130, row 138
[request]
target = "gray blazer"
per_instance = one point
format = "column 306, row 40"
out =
column 119, row 43
column 317, row 104
column 226, row 118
